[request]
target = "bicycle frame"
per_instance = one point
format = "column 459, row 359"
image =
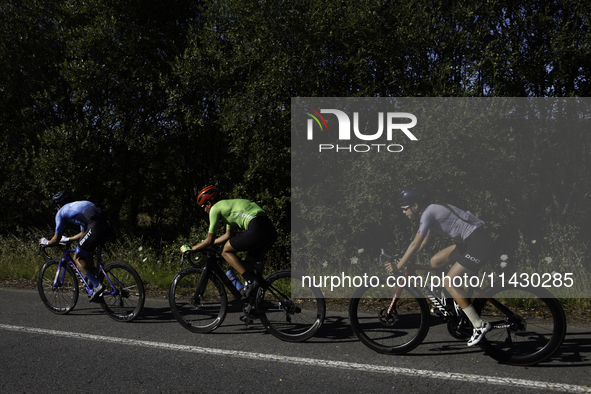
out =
column 67, row 258
column 411, row 269
column 211, row 267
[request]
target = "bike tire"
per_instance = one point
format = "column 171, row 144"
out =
column 401, row 332
column 533, row 334
column 123, row 298
column 291, row 319
column 202, row 315
column 59, row 293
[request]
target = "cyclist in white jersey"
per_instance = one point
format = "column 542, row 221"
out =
column 473, row 248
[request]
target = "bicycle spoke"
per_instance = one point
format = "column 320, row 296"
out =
column 532, row 333
column 290, row 319
column 395, row 331
column 58, row 289
column 123, row 297
column 198, row 312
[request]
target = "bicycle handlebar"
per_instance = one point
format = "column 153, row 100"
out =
column 211, row 252
column 61, row 245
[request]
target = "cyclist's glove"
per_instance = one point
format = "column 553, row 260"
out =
column 44, row 241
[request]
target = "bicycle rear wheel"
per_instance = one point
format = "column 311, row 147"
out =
column 57, row 286
column 530, row 333
column 290, row 319
column 400, row 332
column 123, row 297
column 203, row 312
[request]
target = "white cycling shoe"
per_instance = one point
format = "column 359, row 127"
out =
column 479, row 332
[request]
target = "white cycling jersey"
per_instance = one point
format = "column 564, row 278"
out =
column 448, row 221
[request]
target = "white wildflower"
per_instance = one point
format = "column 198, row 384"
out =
column 360, row 251
column 325, row 264
column 354, row 260
column 533, row 241
column 503, row 264
column 140, row 249
column 548, row 260
column 504, row 257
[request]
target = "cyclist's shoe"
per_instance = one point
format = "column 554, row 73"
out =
column 479, row 332
column 250, row 289
column 94, row 297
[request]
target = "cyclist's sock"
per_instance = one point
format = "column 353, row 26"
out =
column 473, row 316
column 92, row 279
column 252, row 277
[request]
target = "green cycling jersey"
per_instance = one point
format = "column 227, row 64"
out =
column 236, row 214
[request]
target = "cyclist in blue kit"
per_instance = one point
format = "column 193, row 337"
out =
column 473, row 248
column 94, row 229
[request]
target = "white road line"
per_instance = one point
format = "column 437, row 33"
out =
column 531, row 384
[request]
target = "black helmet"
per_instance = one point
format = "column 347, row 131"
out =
column 413, row 194
column 62, row 198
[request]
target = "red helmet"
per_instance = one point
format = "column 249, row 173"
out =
column 208, row 193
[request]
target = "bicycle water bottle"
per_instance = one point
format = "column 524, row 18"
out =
column 235, row 281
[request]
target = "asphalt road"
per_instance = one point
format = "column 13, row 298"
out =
column 88, row 352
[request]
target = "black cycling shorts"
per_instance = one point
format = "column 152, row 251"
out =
column 97, row 231
column 475, row 250
column 257, row 240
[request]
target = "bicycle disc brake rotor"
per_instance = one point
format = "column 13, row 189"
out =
column 388, row 320
column 289, row 307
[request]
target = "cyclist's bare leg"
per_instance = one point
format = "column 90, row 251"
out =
column 445, row 257
column 457, row 293
column 84, row 263
column 229, row 254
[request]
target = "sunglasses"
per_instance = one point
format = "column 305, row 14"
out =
column 405, row 208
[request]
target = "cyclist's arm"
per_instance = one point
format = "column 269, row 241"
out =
column 206, row 243
column 77, row 236
column 425, row 242
column 416, row 245
column 227, row 235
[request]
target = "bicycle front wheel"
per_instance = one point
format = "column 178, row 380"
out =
column 397, row 332
column 57, row 286
column 530, row 331
column 198, row 311
column 123, row 297
column 289, row 318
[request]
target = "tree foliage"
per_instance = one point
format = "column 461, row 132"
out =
column 136, row 105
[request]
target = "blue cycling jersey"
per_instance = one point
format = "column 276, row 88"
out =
column 78, row 212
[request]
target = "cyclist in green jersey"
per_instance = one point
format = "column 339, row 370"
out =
column 257, row 237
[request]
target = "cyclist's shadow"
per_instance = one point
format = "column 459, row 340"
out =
column 575, row 350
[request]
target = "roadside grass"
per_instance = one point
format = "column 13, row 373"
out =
column 19, row 258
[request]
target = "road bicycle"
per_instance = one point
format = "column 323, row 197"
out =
column 528, row 323
column 199, row 301
column 122, row 299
